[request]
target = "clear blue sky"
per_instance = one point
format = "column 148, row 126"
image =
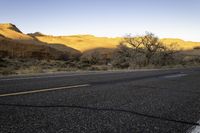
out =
column 165, row 18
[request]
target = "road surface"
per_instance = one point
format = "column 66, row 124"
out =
column 158, row 101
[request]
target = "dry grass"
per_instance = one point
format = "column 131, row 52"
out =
column 181, row 44
column 87, row 42
column 31, row 66
column 79, row 42
column 12, row 32
column 82, row 42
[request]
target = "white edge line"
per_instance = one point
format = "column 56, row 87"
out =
column 42, row 90
column 194, row 129
column 175, row 75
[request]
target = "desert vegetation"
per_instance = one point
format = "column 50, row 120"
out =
column 143, row 51
column 28, row 54
column 135, row 52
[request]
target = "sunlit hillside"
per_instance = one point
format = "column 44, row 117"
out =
column 184, row 45
column 12, row 32
column 87, row 42
column 79, row 52
column 82, row 42
column 14, row 43
column 78, row 42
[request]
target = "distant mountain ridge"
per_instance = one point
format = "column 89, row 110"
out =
column 35, row 34
column 76, row 42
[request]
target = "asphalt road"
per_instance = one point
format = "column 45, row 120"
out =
column 159, row 101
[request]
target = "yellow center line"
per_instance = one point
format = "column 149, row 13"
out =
column 42, row 90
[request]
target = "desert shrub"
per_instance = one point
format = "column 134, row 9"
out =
column 99, row 56
column 165, row 57
column 198, row 47
column 191, row 59
column 90, row 57
column 7, row 70
column 162, row 59
column 138, row 61
column 121, row 56
column 83, row 65
column 141, row 51
column 3, row 54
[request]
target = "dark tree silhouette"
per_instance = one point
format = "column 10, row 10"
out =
column 148, row 45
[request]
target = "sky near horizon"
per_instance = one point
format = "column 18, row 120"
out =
column 165, row 18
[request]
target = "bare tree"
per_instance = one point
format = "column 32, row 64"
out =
column 152, row 45
column 147, row 45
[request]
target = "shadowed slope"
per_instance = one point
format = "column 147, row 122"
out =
column 13, row 43
column 13, row 49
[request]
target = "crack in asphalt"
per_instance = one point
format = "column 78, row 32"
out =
column 100, row 83
column 112, row 109
column 102, row 109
